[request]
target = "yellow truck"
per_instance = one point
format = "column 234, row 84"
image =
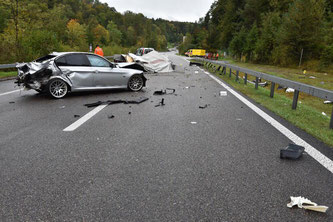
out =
column 196, row 52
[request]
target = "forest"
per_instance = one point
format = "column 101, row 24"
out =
column 32, row 28
column 278, row 32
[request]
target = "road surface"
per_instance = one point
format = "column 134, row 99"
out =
column 169, row 163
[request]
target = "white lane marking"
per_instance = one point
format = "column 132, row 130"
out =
column 6, row 93
column 313, row 152
column 84, row 119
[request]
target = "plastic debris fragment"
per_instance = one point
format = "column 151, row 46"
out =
column 290, row 90
column 223, row 93
column 160, row 103
column 292, row 151
column 110, row 102
column 307, row 204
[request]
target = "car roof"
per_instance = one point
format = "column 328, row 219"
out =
column 65, row 53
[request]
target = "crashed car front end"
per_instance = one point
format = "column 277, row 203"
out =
column 35, row 75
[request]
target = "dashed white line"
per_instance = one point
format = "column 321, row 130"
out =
column 6, row 93
column 84, row 119
column 313, row 152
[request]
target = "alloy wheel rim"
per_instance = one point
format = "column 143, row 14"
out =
column 58, row 89
column 136, row 83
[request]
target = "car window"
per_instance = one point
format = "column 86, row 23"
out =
column 73, row 60
column 61, row 61
column 96, row 61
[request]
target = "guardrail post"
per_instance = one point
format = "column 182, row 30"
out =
column 245, row 79
column 272, row 89
column 230, row 72
column 224, row 70
column 237, row 74
column 296, row 93
column 257, row 82
column 331, row 123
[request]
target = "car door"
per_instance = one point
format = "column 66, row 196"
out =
column 104, row 73
column 77, row 68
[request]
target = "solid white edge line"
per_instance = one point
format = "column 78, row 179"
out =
column 6, row 93
column 313, row 152
column 84, row 119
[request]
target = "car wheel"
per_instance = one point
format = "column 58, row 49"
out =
column 135, row 83
column 57, row 88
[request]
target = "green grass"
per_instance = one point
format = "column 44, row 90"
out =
column 308, row 115
column 7, row 74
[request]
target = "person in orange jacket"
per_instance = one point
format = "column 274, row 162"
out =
column 99, row 51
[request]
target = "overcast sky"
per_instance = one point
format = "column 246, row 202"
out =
column 175, row 10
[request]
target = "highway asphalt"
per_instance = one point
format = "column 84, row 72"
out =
column 175, row 162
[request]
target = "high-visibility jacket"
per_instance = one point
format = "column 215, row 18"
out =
column 99, row 51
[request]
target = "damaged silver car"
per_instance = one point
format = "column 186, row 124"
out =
column 60, row 73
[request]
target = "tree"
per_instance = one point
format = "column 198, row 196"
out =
column 76, row 35
column 114, row 33
column 301, row 30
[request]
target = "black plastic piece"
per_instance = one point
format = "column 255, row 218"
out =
column 292, row 152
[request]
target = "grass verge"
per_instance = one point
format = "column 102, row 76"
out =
column 306, row 116
column 7, row 74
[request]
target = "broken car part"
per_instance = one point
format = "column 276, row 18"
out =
column 60, row 73
column 110, row 102
column 292, row 151
column 160, row 103
column 307, row 204
column 165, row 92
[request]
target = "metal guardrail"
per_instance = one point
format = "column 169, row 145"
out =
column 299, row 87
column 7, row 66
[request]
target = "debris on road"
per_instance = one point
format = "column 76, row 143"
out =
column 77, row 116
column 160, row 103
column 196, row 72
column 203, row 107
column 292, row 151
column 223, row 93
column 238, row 119
column 307, row 204
column 165, row 92
column 153, row 61
column 62, row 107
column 12, row 102
column 290, row 90
column 193, row 123
column 110, row 102
column 111, row 116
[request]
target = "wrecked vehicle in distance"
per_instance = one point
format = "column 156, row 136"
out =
column 60, row 73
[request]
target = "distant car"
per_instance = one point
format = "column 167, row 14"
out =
column 143, row 51
column 60, row 73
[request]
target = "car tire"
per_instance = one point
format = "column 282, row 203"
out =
column 57, row 88
column 135, row 83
